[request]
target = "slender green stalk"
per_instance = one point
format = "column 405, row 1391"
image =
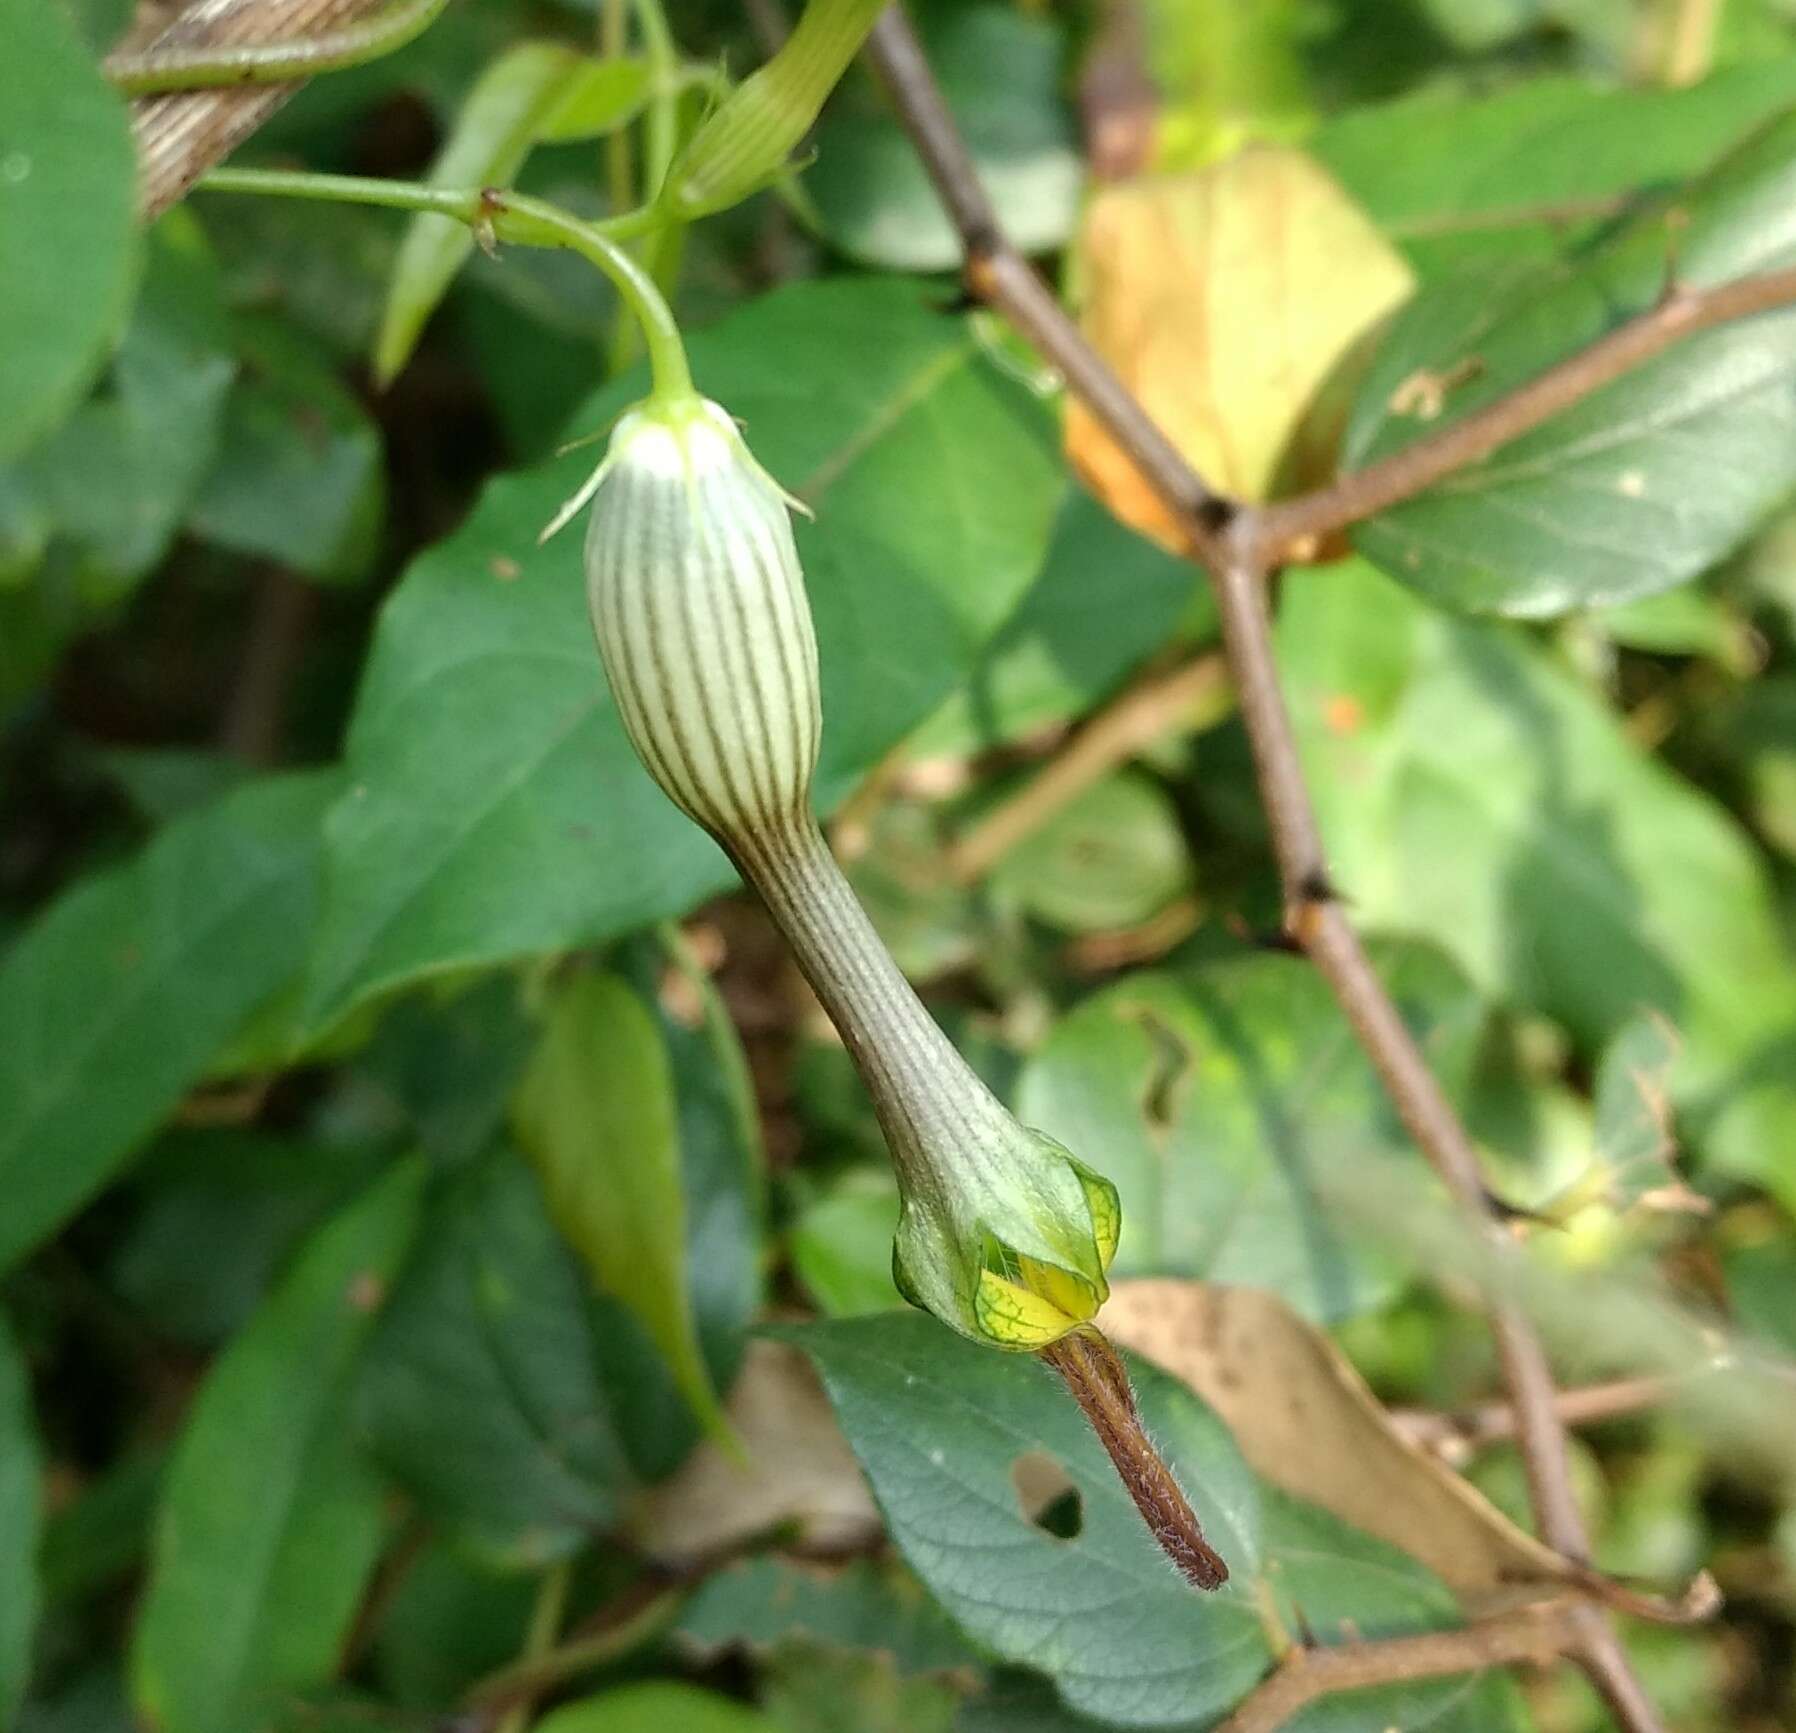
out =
column 539, row 1640
column 506, row 216
column 206, row 65
column 619, row 167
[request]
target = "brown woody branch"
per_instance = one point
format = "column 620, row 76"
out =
column 1236, row 544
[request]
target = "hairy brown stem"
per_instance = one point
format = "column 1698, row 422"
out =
column 1234, row 543
column 1091, row 1370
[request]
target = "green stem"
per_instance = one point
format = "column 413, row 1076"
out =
column 539, row 1639
column 204, row 65
column 661, row 250
column 506, row 216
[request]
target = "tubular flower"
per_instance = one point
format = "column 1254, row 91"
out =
column 699, row 607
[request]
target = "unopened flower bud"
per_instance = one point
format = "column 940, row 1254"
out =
column 700, row 611
column 699, row 608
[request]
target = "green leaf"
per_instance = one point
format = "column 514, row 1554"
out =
column 270, row 1522
column 21, row 1522
column 842, row 1245
column 299, row 477
column 454, row 1617
column 1633, row 1107
column 1519, row 173
column 117, row 999
column 120, row 474
column 939, row 1424
column 873, row 193
column 600, row 97
column 1226, row 1101
column 658, row 1706
column 519, row 99
column 1474, row 793
column 816, row 1688
column 598, row 1114
column 479, row 1389
column 765, row 1603
column 497, row 809
column 68, row 183
column 1112, row 858
column 1641, row 485
column 218, row 1212
column 1073, row 636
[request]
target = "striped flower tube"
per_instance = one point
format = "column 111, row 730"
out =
column 702, row 620
column 699, row 607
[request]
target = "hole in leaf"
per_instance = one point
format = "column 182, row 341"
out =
column 1049, row 1499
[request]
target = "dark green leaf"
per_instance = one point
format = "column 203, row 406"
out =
column 497, row 808
column 1517, row 173
column 21, row 1517
column 1226, row 1102
column 299, row 476
column 105, row 1531
column 270, row 1522
column 814, row 1688
column 598, row 1114
column 763, row 1603
column 876, row 200
column 68, row 183
column 454, row 1617
column 119, row 476
column 1105, row 600
column 1639, row 486
column 479, row 1389
column 219, row 1212
column 118, row 998
column 1471, row 791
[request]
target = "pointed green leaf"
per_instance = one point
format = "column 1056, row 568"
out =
column 523, row 92
column 117, row 1000
column 68, row 184
column 659, row 1706
column 270, row 1522
column 598, row 1115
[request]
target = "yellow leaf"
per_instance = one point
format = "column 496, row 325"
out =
column 1231, row 301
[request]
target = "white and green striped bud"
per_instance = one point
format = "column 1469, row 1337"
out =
column 700, row 611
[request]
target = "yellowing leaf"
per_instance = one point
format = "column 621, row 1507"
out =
column 597, row 1115
column 1230, row 301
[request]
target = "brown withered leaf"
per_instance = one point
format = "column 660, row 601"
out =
column 1305, row 1420
column 795, row 1473
column 1231, row 301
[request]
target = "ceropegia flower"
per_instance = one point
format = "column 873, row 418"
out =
column 700, row 611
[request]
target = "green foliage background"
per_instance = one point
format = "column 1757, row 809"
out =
column 391, row 1193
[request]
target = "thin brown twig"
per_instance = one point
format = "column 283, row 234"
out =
column 1538, row 1635
column 1297, row 525
column 1233, row 543
column 1456, row 1435
column 1135, row 718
